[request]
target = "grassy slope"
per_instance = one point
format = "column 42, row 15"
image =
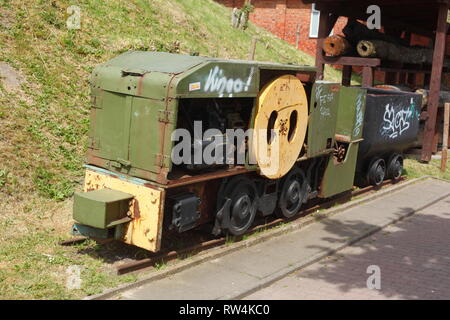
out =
column 44, row 124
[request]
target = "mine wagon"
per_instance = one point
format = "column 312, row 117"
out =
column 391, row 126
column 179, row 141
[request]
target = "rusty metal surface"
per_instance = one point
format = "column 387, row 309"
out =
column 72, row 241
column 146, row 209
column 179, row 179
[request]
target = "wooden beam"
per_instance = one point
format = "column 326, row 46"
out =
column 353, row 61
column 435, row 85
column 444, row 155
column 323, row 33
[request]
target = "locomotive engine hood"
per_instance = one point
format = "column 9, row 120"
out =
column 152, row 74
column 136, row 97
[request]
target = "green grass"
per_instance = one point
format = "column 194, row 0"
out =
column 415, row 169
column 160, row 265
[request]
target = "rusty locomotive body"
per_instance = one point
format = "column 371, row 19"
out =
column 155, row 116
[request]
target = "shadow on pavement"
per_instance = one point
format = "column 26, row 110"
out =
column 413, row 256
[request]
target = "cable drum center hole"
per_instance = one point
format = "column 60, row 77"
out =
column 292, row 125
column 270, row 126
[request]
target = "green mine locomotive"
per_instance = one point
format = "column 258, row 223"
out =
column 302, row 139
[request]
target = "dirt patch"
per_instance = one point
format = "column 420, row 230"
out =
column 10, row 78
column 176, row 12
column 6, row 18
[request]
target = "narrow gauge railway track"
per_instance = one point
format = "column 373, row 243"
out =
column 313, row 206
column 262, row 224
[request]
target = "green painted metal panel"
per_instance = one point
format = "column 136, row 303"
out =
column 90, row 232
column 147, row 74
column 111, row 126
column 339, row 176
column 323, row 111
column 145, row 61
column 352, row 103
column 151, row 85
column 228, row 78
column 102, row 209
column 145, row 133
column 221, row 80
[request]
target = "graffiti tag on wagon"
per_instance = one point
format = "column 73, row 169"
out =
column 323, row 99
column 359, row 115
column 395, row 122
column 218, row 82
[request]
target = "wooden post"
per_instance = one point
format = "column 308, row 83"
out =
column 367, row 77
column 323, row 28
column 346, row 75
column 445, row 137
column 251, row 55
column 435, row 85
column 297, row 36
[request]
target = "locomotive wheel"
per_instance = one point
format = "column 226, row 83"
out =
column 377, row 171
column 292, row 194
column 243, row 195
column 395, row 167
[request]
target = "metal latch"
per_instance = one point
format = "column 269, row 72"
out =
column 121, row 163
column 165, row 116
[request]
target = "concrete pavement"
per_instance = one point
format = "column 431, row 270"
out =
column 248, row 270
column 413, row 257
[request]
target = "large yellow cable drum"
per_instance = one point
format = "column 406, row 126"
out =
column 280, row 124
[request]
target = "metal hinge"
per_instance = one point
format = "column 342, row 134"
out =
column 165, row 116
column 96, row 102
column 160, row 160
column 94, row 143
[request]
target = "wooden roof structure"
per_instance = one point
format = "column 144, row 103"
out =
column 423, row 17
column 417, row 16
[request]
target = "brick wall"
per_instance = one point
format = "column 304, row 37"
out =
column 281, row 17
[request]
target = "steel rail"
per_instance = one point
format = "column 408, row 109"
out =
column 314, row 206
